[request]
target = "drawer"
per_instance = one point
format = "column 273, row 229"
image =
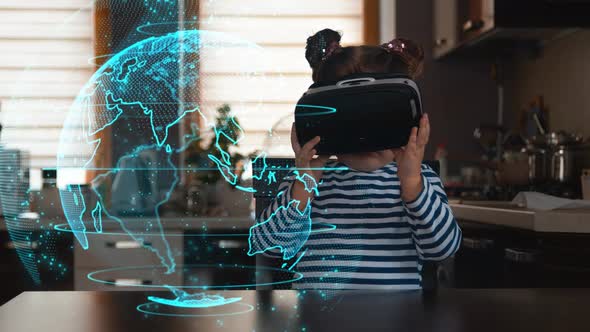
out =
column 137, row 277
column 119, row 250
column 9, row 247
column 47, row 254
column 217, row 249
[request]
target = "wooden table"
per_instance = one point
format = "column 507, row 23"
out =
column 447, row 310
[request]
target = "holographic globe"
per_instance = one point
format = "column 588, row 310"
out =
column 144, row 107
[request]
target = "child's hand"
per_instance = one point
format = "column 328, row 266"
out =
column 409, row 160
column 304, row 156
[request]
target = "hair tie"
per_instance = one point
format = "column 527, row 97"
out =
column 329, row 50
column 396, row 45
column 321, row 45
column 411, row 53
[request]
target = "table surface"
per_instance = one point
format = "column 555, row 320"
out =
column 446, row 310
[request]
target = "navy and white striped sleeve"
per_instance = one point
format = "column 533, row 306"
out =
column 435, row 231
column 280, row 224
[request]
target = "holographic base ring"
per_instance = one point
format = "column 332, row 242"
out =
column 95, row 276
column 316, row 228
column 147, row 29
column 194, row 304
column 145, row 308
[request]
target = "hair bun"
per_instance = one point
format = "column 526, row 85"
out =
column 321, row 45
column 411, row 53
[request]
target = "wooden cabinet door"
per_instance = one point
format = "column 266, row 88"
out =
column 474, row 18
column 445, row 26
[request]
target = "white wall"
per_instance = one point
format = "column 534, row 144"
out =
column 386, row 20
column 562, row 76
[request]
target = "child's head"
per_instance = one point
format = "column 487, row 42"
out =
column 330, row 62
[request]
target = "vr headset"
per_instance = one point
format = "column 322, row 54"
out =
column 360, row 113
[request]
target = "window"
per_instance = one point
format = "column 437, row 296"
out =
column 281, row 29
column 46, row 47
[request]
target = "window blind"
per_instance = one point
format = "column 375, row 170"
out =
column 280, row 28
column 44, row 61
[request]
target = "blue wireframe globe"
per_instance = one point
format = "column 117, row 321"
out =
column 140, row 100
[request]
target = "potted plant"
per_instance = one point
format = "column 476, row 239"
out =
column 205, row 179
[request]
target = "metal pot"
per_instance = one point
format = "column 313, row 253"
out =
column 556, row 139
column 551, row 156
column 562, row 163
column 538, row 162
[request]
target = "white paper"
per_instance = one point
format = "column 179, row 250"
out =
column 543, row 202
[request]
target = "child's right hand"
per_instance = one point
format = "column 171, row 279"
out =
column 304, row 160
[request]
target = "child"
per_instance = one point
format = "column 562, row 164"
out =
column 390, row 210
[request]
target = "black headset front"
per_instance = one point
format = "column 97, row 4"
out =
column 359, row 113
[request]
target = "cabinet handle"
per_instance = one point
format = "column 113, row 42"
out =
column 517, row 255
column 440, row 42
column 231, row 244
column 123, row 282
column 480, row 244
column 127, row 244
column 33, row 245
column 473, row 25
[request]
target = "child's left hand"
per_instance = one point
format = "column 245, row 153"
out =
column 409, row 160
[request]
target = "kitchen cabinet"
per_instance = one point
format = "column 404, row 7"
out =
column 566, row 260
column 226, row 242
column 474, row 18
column 478, row 262
column 445, row 26
column 200, row 246
column 506, row 245
column 502, row 257
column 15, row 277
column 220, row 258
column 494, row 25
column 108, row 251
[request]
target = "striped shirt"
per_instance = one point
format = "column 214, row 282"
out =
column 379, row 241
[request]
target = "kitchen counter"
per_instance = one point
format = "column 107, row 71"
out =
column 510, row 215
column 455, row 310
column 486, row 212
column 176, row 223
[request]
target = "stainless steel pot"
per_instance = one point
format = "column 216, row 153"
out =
column 562, row 163
column 552, row 157
column 538, row 162
column 556, row 139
